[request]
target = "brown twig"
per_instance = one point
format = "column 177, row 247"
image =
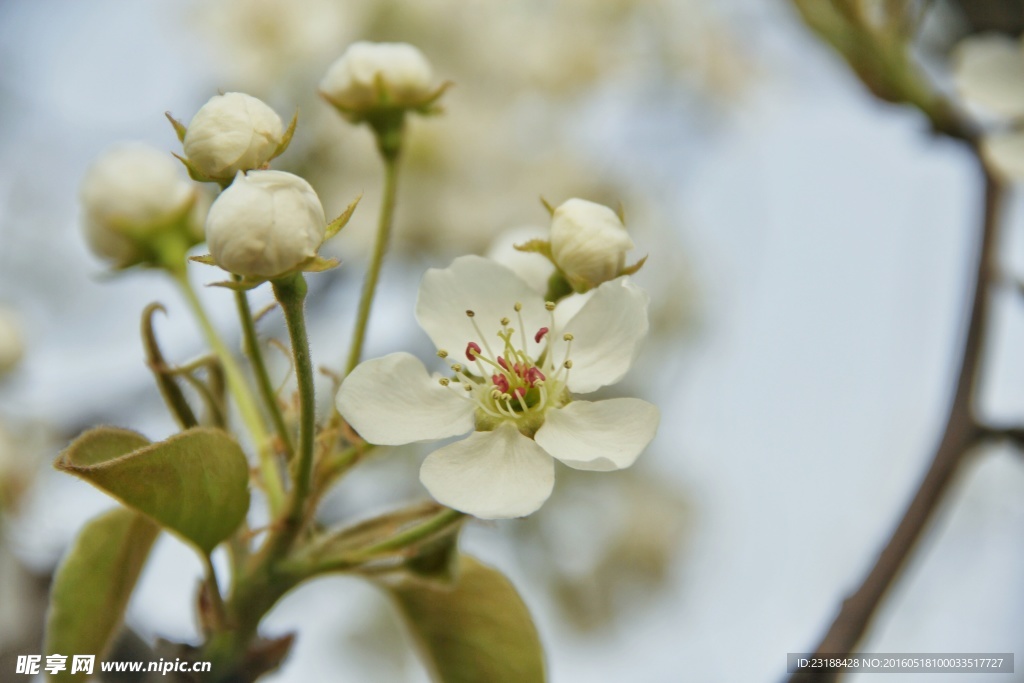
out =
column 1013, row 435
column 960, row 435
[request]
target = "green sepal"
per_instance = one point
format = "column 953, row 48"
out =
column 179, row 128
column 547, row 205
column 350, row 115
column 558, row 287
column 335, row 226
column 243, row 285
column 476, row 629
column 633, row 269
column 318, row 264
column 385, row 107
column 195, row 484
column 164, row 374
column 429, row 106
column 93, row 584
column 537, row 246
column 195, row 174
column 286, row 139
column 205, row 259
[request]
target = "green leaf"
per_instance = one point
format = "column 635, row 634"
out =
column 91, row 588
column 194, row 483
column 477, row 629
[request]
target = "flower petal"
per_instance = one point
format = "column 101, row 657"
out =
column 607, row 333
column 601, row 436
column 487, row 288
column 989, row 71
column 491, row 475
column 392, row 401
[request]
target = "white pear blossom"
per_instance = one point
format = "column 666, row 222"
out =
column 231, row 133
column 130, row 194
column 265, row 225
column 517, row 363
column 12, row 345
column 374, row 75
column 989, row 74
column 588, row 242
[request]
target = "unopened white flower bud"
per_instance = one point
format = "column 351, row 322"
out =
column 379, row 75
column 588, row 242
column 12, row 345
column 266, row 224
column 131, row 195
column 231, row 133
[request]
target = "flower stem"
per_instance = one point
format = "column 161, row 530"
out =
column 397, row 543
column 380, row 247
column 213, row 588
column 240, row 390
column 259, row 366
column 961, row 435
column 291, row 293
column 417, row 533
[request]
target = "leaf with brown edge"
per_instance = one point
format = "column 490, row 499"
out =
column 93, row 584
column 475, row 629
column 194, row 484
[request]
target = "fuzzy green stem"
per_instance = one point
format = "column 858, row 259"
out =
column 259, row 367
column 417, row 533
column 291, row 293
column 390, row 155
column 400, row 541
column 213, row 588
column 240, row 390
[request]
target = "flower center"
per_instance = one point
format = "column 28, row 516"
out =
column 511, row 385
